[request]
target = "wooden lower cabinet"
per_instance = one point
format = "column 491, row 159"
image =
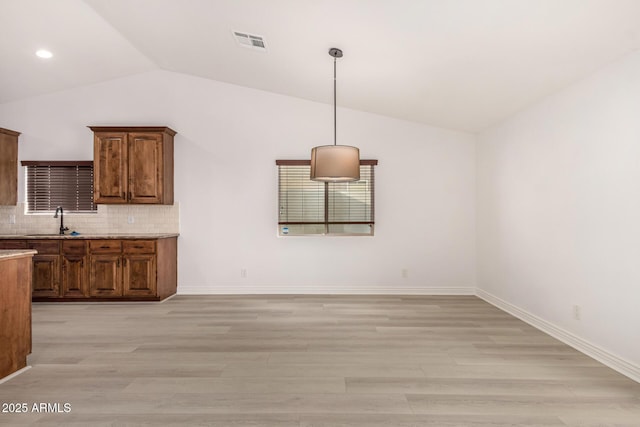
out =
column 127, row 273
column 46, row 268
column 75, row 269
column 74, row 276
column 133, row 269
column 46, row 276
column 140, row 258
column 15, row 312
column 139, row 275
column 105, row 277
column 101, row 269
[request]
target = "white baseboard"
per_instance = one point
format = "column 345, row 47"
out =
column 15, row 374
column 320, row 290
column 607, row 358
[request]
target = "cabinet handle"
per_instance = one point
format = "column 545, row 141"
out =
column 130, row 195
column 118, row 263
column 124, row 195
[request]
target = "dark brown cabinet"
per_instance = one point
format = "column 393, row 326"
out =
column 133, row 165
column 146, row 168
column 109, row 269
column 106, row 276
column 73, row 276
column 46, row 268
column 139, row 275
column 8, row 167
column 110, row 167
column 15, row 312
column 123, row 268
column 59, row 268
column 75, row 269
column 46, row 276
column 139, row 261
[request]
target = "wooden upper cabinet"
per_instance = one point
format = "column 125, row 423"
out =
column 146, row 168
column 110, row 167
column 8, row 167
column 133, row 165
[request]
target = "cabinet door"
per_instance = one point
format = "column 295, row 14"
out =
column 145, row 168
column 8, row 167
column 105, row 276
column 74, row 276
column 110, row 167
column 46, row 276
column 139, row 275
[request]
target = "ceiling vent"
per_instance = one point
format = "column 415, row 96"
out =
column 251, row 41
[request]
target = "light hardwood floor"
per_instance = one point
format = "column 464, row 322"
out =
column 303, row 361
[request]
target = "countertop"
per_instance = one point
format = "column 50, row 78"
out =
column 8, row 254
column 88, row 236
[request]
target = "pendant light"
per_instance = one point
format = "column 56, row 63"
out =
column 335, row 163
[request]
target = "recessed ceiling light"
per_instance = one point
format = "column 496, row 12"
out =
column 43, row 53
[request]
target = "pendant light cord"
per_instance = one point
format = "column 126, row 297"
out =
column 335, row 126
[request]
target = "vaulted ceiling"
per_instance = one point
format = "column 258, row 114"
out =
column 460, row 64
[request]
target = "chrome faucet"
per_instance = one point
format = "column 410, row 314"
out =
column 62, row 227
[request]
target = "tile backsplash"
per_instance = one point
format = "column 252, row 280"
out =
column 110, row 219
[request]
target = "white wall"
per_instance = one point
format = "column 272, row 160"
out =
column 228, row 140
column 559, row 210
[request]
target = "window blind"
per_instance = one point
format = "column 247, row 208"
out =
column 303, row 201
column 50, row 184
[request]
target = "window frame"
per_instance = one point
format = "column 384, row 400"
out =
column 27, row 164
column 327, row 223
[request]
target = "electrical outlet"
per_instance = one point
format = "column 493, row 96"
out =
column 131, row 219
column 243, row 273
column 12, row 219
column 405, row 273
column 577, row 312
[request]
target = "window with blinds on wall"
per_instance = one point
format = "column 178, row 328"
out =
column 50, row 184
column 309, row 207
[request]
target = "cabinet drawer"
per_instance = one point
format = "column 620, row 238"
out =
column 139, row 246
column 51, row 247
column 105, row 246
column 13, row 244
column 74, row 247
